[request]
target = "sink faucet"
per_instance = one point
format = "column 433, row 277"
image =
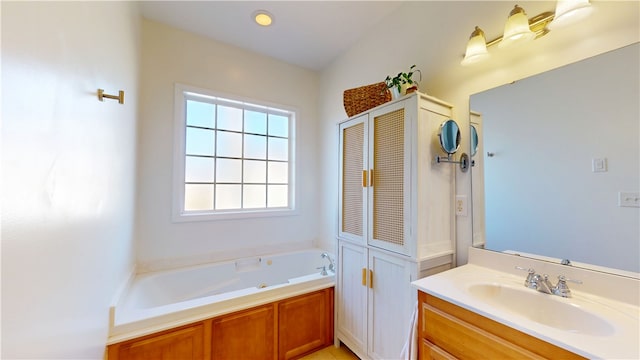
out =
column 332, row 266
column 542, row 284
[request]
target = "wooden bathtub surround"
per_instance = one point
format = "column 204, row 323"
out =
column 285, row 329
column 447, row 331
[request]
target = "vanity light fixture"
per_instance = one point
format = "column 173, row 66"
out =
column 263, row 18
column 519, row 29
column 516, row 30
column 476, row 48
column 569, row 12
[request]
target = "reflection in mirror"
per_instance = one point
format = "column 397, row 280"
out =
column 474, row 140
column 564, row 152
column 449, row 136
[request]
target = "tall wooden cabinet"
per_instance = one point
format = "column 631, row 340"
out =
column 395, row 222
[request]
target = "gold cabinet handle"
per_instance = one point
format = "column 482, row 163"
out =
column 364, row 178
column 371, row 177
column 364, row 276
column 371, row 279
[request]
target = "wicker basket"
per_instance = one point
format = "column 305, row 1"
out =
column 366, row 97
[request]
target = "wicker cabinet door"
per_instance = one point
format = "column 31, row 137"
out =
column 388, row 188
column 353, row 179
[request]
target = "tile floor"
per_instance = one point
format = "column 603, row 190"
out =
column 332, row 353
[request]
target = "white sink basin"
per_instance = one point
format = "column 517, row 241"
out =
column 545, row 309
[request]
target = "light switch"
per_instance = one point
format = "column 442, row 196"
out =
column 461, row 205
column 629, row 199
column 599, row 164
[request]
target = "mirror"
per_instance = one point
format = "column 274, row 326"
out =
column 449, row 135
column 558, row 159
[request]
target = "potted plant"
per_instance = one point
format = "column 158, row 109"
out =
column 403, row 80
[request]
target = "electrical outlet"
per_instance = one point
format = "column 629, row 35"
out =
column 461, row 205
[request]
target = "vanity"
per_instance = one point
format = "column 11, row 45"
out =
column 484, row 310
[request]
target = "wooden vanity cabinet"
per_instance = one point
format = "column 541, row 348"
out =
column 285, row 329
column 447, row 331
column 187, row 342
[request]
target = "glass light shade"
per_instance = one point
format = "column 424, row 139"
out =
column 516, row 30
column 569, row 12
column 476, row 48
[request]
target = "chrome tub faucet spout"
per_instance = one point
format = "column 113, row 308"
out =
column 332, row 266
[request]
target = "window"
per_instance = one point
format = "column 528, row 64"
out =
column 232, row 158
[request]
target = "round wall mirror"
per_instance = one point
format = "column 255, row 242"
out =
column 449, row 135
column 474, row 140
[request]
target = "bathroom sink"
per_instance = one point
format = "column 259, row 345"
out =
column 548, row 310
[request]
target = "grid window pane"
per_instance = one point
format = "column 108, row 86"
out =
column 229, row 170
column 255, row 122
column 254, row 196
column 229, row 144
column 198, row 169
column 255, row 146
column 277, row 196
column 200, row 142
column 255, row 171
column 228, row 197
column 229, row 118
column 278, row 125
column 236, row 155
column 278, row 149
column 198, row 197
column 278, row 172
column 200, row 114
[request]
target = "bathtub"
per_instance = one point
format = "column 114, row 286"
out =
column 166, row 299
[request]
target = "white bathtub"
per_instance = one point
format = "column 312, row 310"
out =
column 163, row 300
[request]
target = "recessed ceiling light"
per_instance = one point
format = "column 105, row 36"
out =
column 263, row 18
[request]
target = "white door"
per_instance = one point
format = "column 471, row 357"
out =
column 352, row 296
column 391, row 300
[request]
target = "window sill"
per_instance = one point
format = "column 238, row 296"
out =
column 232, row 215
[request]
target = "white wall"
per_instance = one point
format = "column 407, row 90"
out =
column 68, row 173
column 172, row 56
column 433, row 36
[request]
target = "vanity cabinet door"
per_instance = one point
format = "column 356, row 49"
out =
column 305, row 324
column 183, row 343
column 251, row 333
column 464, row 334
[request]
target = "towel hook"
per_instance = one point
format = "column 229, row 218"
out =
column 119, row 97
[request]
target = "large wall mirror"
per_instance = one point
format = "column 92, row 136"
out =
column 556, row 153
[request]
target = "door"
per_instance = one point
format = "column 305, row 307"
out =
column 352, row 295
column 389, row 161
column 353, row 180
column 391, row 301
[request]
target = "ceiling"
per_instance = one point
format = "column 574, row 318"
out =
column 310, row 34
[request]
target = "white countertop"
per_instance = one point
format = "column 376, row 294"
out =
column 620, row 341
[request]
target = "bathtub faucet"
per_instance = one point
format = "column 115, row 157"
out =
column 332, row 266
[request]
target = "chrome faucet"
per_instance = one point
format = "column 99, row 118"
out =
column 332, row 266
column 562, row 289
column 542, row 284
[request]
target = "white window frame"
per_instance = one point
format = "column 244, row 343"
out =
column 179, row 154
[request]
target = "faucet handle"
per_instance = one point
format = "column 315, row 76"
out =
column 562, row 289
column 530, row 282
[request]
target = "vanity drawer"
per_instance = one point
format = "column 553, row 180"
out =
column 433, row 352
column 466, row 335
